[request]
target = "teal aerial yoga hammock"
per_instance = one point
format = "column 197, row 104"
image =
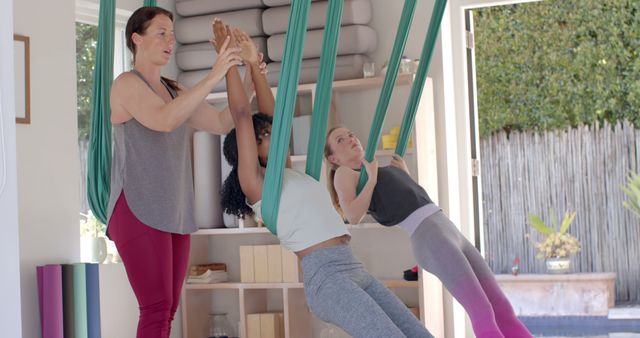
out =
column 421, row 77
column 99, row 161
column 281, row 130
column 321, row 104
column 283, row 114
column 285, row 100
column 389, row 82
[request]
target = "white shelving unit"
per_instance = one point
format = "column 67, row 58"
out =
column 221, row 244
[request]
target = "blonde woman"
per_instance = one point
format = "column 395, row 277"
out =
column 394, row 199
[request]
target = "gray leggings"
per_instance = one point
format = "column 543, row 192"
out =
column 341, row 292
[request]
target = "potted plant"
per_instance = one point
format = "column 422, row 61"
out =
column 557, row 246
column 93, row 246
column 632, row 190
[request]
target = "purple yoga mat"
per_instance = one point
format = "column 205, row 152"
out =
column 50, row 296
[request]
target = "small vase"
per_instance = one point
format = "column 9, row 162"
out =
column 219, row 326
column 558, row 265
column 93, row 249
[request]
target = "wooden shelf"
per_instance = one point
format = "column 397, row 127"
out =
column 263, row 230
column 390, row 283
column 338, row 86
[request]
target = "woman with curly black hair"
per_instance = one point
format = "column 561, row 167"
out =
column 233, row 199
column 337, row 288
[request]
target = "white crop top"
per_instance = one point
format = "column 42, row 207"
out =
column 306, row 216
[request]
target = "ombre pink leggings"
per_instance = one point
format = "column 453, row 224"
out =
column 442, row 250
column 156, row 264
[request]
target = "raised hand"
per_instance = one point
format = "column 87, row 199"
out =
column 372, row 169
column 249, row 51
column 399, row 163
column 220, row 33
column 227, row 58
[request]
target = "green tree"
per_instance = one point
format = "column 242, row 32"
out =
column 553, row 64
column 86, row 39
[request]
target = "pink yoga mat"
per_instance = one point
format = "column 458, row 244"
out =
column 50, row 297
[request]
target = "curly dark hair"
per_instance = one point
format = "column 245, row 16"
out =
column 233, row 199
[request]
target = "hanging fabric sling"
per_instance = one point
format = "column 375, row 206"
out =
column 322, row 102
column 99, row 160
column 389, row 82
column 388, row 85
column 283, row 116
column 284, row 105
column 283, row 112
column 420, row 77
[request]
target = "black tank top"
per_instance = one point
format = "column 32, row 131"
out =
column 396, row 196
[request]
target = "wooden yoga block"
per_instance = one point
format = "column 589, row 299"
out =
column 274, row 266
column 290, row 270
column 271, row 325
column 253, row 325
column 247, row 273
column 260, row 264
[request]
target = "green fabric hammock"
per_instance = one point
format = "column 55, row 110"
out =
column 285, row 101
column 389, row 84
column 99, row 161
column 324, row 87
column 421, row 77
column 283, row 113
column 283, row 117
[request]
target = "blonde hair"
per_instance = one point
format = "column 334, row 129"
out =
column 331, row 173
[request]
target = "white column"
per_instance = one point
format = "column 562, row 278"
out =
column 10, row 312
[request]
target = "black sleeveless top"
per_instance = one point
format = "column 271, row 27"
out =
column 395, row 196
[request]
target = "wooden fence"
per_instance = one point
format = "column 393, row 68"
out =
column 578, row 169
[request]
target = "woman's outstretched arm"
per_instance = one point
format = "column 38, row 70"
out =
column 264, row 95
column 249, row 172
column 131, row 98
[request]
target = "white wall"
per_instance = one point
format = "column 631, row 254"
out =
column 10, row 314
column 47, row 150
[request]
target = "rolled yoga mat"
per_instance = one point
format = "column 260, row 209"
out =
column 80, row 300
column 93, row 300
column 50, row 300
column 206, row 179
column 67, row 301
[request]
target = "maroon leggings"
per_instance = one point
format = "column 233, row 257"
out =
column 156, row 264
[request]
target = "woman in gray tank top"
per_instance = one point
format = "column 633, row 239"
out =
column 393, row 198
column 150, row 214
